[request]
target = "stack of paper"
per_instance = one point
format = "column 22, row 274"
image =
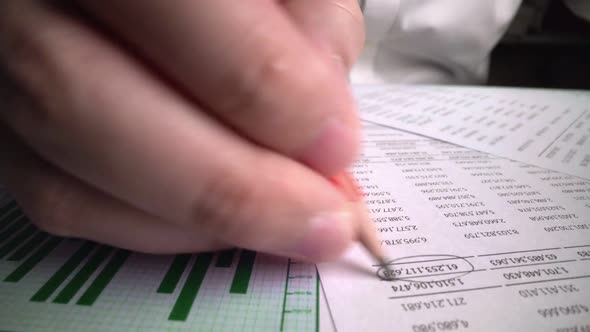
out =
column 476, row 241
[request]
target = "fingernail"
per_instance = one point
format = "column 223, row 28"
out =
column 327, row 236
column 333, row 149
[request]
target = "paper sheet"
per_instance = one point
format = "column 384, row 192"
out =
column 546, row 128
column 476, row 243
column 53, row 284
column 325, row 317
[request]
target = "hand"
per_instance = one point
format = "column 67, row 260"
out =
column 181, row 126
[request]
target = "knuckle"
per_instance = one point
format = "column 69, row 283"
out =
column 271, row 68
column 281, row 71
column 225, row 206
column 276, row 65
column 351, row 7
column 36, row 63
column 54, row 208
column 349, row 29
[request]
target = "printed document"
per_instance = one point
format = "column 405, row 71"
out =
column 547, row 128
column 475, row 242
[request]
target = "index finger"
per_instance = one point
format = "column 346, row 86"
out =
column 335, row 26
column 249, row 64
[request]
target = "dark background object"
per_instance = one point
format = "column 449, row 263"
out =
column 547, row 45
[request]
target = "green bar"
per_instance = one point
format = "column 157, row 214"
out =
column 189, row 291
column 102, row 280
column 7, row 208
column 35, row 258
column 11, row 216
column 23, row 251
column 15, row 226
column 64, row 271
column 243, row 272
column 17, row 240
column 174, row 273
column 68, row 292
column 225, row 258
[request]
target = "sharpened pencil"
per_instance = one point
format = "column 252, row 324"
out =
column 367, row 234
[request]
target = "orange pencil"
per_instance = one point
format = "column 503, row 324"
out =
column 367, row 234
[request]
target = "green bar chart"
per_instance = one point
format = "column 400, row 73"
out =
column 7, row 207
column 68, row 292
column 16, row 240
column 29, row 246
column 36, row 257
column 51, row 283
column 241, row 279
column 174, row 273
column 12, row 227
column 191, row 287
column 60, row 275
column 103, row 279
column 9, row 216
column 225, row 258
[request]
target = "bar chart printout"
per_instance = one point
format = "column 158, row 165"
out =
column 54, row 284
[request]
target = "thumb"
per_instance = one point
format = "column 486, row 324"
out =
column 295, row 212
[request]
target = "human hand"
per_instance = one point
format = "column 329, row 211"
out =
column 181, row 126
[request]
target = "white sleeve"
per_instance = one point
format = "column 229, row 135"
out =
column 579, row 7
column 431, row 41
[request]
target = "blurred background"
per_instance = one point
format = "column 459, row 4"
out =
column 547, row 45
